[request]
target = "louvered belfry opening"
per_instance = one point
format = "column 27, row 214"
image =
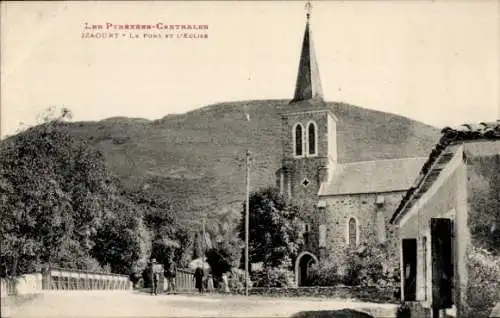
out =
column 311, row 133
column 298, row 140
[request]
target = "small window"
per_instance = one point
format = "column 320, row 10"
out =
column 307, row 228
column 353, row 232
column 307, row 234
column 311, row 133
column 298, row 140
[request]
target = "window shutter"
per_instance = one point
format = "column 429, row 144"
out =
column 442, row 263
column 410, row 269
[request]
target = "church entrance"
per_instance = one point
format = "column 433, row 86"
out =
column 302, row 267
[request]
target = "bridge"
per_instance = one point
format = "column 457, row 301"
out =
column 69, row 293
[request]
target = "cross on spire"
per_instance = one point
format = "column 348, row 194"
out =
column 308, row 8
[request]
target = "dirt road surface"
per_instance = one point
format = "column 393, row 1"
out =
column 134, row 304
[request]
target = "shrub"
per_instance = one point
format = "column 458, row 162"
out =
column 403, row 311
column 271, row 277
column 364, row 265
column 483, row 283
column 324, row 274
column 353, row 267
column 236, row 280
column 220, row 261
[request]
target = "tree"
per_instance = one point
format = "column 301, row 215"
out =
column 274, row 228
column 220, row 261
column 38, row 223
column 118, row 242
column 159, row 218
column 59, row 201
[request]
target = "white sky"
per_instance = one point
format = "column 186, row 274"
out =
column 434, row 61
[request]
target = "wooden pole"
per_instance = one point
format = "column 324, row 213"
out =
column 204, row 247
column 247, row 225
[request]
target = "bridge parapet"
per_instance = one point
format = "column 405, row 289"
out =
column 70, row 279
column 184, row 280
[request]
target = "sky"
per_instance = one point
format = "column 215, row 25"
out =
column 437, row 62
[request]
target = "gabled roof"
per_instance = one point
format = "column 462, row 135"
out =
column 450, row 136
column 308, row 85
column 376, row 176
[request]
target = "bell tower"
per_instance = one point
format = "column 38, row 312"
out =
column 308, row 129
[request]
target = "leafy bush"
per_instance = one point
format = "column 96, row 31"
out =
column 220, row 261
column 483, row 283
column 325, row 274
column 403, row 311
column 236, row 280
column 364, row 265
column 353, row 267
column 271, row 277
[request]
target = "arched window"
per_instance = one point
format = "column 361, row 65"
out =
column 298, row 140
column 311, row 138
column 352, row 232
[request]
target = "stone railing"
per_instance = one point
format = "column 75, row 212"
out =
column 184, row 280
column 70, row 279
column 370, row 293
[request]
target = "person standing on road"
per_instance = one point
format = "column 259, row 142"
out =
column 210, row 284
column 171, row 273
column 225, row 284
column 198, row 278
column 155, row 277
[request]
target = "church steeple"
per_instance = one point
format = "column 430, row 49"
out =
column 308, row 84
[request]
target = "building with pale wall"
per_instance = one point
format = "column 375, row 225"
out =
column 449, row 226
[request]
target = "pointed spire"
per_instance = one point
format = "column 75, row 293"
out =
column 308, row 84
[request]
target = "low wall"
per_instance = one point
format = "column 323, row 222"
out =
column 71, row 279
column 371, row 294
column 17, row 290
column 23, row 285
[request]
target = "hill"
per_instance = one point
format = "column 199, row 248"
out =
column 197, row 158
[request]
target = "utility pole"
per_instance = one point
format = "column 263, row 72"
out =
column 247, row 221
column 204, row 248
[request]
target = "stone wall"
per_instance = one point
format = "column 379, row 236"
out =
column 23, row 285
column 369, row 294
column 373, row 221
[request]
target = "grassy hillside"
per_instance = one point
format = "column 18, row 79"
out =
column 197, row 157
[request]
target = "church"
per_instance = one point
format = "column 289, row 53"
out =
column 350, row 202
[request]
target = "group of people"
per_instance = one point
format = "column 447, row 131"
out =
column 170, row 272
column 202, row 282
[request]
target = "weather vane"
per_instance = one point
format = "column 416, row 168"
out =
column 308, row 8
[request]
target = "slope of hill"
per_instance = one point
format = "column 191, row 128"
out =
column 197, row 158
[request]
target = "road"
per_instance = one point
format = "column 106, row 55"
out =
column 135, row 304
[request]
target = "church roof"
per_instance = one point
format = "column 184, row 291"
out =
column 308, row 85
column 376, row 176
column 438, row 157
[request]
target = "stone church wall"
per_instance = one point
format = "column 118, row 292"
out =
column 372, row 221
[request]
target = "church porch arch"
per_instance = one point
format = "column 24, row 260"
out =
column 302, row 266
